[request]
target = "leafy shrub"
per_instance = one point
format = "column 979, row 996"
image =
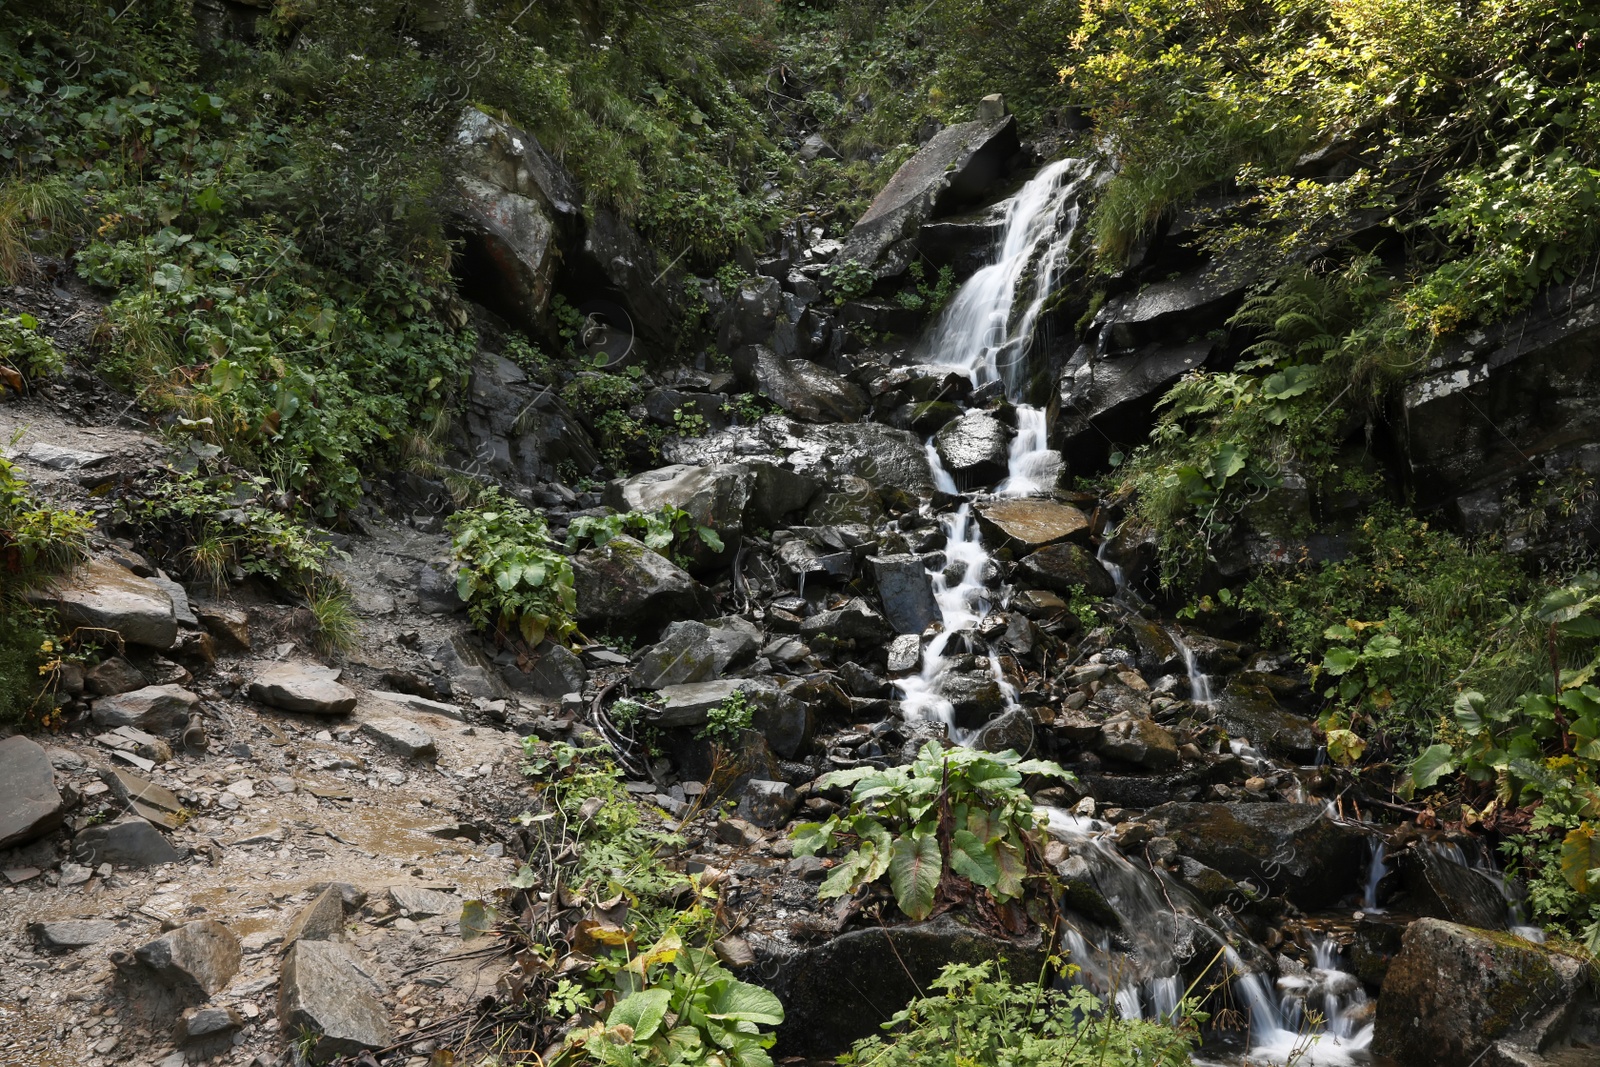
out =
column 977, row 1016
column 26, row 355
column 657, row 529
column 728, row 720
column 953, row 813
column 510, row 577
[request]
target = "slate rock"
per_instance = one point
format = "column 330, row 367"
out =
column 320, row 920
column 129, row 842
column 303, row 687
column 30, row 804
column 1066, row 569
column 906, row 592
column 804, row 389
column 892, row 461
column 197, row 960
column 1113, row 398
column 71, row 934
column 211, row 1022
column 626, row 588
column 1291, row 847
column 1030, row 524
column 856, row 621
column 975, row 448
column 402, row 736
column 323, row 991
column 767, row 804
column 683, row 655
column 112, row 676
column 156, row 708
column 551, row 671
column 101, row 594
column 1136, row 740
column 229, row 627
column 419, row 903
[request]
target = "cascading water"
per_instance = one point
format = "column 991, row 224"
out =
column 1376, row 870
column 1199, row 681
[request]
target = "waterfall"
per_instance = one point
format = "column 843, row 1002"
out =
column 1376, row 870
column 1033, row 466
column 1199, row 681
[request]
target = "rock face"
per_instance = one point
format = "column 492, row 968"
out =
column 953, row 169
column 1453, row 992
column 1066, row 569
column 802, row 388
column 30, row 804
column 1030, row 524
column 105, row 595
column 1113, row 398
column 156, row 708
column 842, row 990
column 303, row 687
column 626, row 588
column 974, row 448
column 516, row 427
column 129, row 841
column 197, row 960
column 322, row 990
column 1290, row 847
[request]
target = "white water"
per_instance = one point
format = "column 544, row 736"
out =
column 1034, row 467
column 1376, row 870
column 1199, row 681
column 1281, row 1029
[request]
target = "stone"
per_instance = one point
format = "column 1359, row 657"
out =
column 30, row 804
column 683, row 655
column 420, row 705
column 1158, row 653
column 402, row 736
column 1440, row 888
column 974, row 698
column 802, row 388
column 1067, row 569
column 738, row 833
column 519, row 429
column 1113, row 398
column 767, row 804
column 1139, row 741
column 211, row 1022
column 953, row 169
column 714, row 496
column 112, row 676
column 1247, row 709
column 905, row 654
column 689, row 704
column 154, row 803
column 905, row 591
column 321, row 990
column 1011, row 731
column 229, row 627
column 1029, row 524
column 625, row 588
column 320, row 920
column 856, row 621
column 1208, row 883
column 843, row 989
column 1455, row 995
column 197, row 960
column 56, row 458
column 303, row 687
column 890, row 460
column 71, row 934
column 102, row 594
column 418, row 903
column 975, row 448
column 180, row 601
column 1289, row 847
column 129, row 842
column 157, row 708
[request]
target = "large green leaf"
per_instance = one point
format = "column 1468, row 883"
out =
column 1469, row 712
column 1339, row 660
column 1580, row 858
column 846, row 876
column 970, row 859
column 1008, row 861
column 1435, row 762
column 914, row 870
column 741, row 1001
column 643, row 1012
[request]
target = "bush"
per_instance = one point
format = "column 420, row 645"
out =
column 512, row 580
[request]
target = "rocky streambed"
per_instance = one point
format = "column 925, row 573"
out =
column 234, row 844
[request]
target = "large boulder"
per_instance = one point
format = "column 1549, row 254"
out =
column 128, row 842
column 196, row 961
column 691, row 651
column 515, row 427
column 323, row 991
column 906, row 592
column 1248, row 709
column 975, row 448
column 889, row 460
column 1292, row 848
column 1139, row 741
column 104, row 595
column 1029, row 524
column 1455, row 995
column 714, row 496
column 1066, row 568
column 30, row 804
column 951, row 171
column 844, row 989
column 305, row 687
column 1105, row 400
column 156, row 708
column 802, row 388
column 1439, row 887
column 1177, row 307
column 625, row 588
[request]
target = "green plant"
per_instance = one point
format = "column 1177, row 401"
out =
column 35, row 539
column 726, row 722
column 26, row 355
column 338, row 628
column 953, row 813
column 976, row 1015
column 510, row 577
column 922, row 296
column 687, row 423
column 849, row 280
column 658, row 529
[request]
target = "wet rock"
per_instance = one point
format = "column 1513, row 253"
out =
column 787, row 722
column 156, row 708
column 1208, row 883
column 1292, row 848
column 112, row 676
column 1442, row 889
column 953, row 169
column 101, row 594
column 1029, row 524
column 71, row 934
column 196, row 961
column 694, row 652
column 1066, row 569
column 821, row 987
column 905, row 591
column 323, row 991
column 802, row 388
column 856, row 621
column 767, row 804
column 1158, row 653
column 402, row 736
column 1010, row 732
column 129, row 841
column 625, row 588
column 304, row 687
column 975, row 448
column 30, row 804
column 1248, row 710
column 1453, row 992
column 1099, row 400
column 1139, row 741
column 975, row 698
column 905, row 654
column 892, row 461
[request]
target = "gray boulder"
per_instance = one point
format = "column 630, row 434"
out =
column 71, row 934
column 402, row 736
column 890, row 460
column 975, row 448
column 1248, row 709
column 112, row 676
column 1139, row 741
column 1029, row 524
column 320, row 920
column 767, row 804
column 101, row 594
column 856, row 621
column 1292, row 848
column 954, row 169
column 305, row 687
column 196, row 961
column 751, row 313
column 692, row 651
column 714, row 496
column 906, row 592
column 30, row 804
column 1440, row 888
column 625, row 588
column 321, row 990
column 802, row 388
column 156, row 708
column 517, row 428
column 1066, row 569
column 690, row 704
column 550, row 671
column 129, row 842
